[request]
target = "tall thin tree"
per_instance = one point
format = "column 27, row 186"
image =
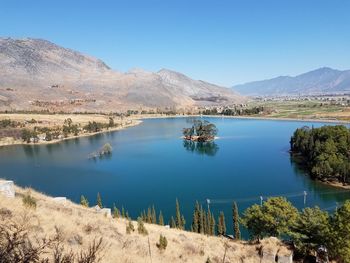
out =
column 235, row 215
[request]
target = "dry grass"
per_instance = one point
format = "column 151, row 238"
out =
column 80, row 226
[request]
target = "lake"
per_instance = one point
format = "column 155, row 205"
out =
column 151, row 164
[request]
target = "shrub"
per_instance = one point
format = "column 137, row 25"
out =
column 29, row 201
column 163, row 242
column 141, row 227
column 130, row 227
column 84, row 201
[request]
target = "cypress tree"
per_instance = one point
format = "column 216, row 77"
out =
column 99, row 200
column 236, row 231
column 209, row 223
column 183, row 222
column 154, row 215
column 195, row 219
column 161, row 219
column 221, row 224
column 84, row 201
column 149, row 215
column 123, row 212
column 116, row 211
column 172, row 222
column 212, row 224
column 206, row 228
column 201, row 220
column 178, row 220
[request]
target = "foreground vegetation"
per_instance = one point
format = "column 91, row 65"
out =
column 123, row 240
column 308, row 230
column 324, row 151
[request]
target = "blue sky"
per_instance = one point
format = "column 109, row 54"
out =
column 224, row 42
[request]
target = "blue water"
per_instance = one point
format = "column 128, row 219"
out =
column 151, row 164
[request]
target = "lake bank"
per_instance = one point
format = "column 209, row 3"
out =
column 11, row 141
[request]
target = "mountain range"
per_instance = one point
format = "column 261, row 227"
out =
column 37, row 74
column 320, row 81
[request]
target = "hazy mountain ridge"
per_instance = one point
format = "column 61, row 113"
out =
column 37, row 70
column 322, row 80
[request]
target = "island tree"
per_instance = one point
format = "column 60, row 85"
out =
column 200, row 131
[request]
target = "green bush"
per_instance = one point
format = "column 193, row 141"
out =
column 29, row 201
column 141, row 227
column 163, row 242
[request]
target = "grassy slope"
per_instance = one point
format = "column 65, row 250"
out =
column 76, row 221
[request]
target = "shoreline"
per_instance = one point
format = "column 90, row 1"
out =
column 137, row 119
column 241, row 117
column 134, row 122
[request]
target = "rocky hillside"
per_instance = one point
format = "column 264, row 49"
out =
column 76, row 227
column 323, row 80
column 37, row 74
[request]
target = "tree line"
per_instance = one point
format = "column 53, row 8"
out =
column 236, row 111
column 324, row 151
column 276, row 217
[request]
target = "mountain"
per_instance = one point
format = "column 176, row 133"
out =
column 322, row 80
column 37, row 74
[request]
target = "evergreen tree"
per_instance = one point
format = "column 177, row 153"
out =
column 154, row 215
column 172, row 222
column 183, row 222
column 212, row 224
column 116, row 211
column 99, row 200
column 161, row 219
column 221, row 224
column 195, row 219
column 123, row 212
column 84, row 201
column 178, row 219
column 235, row 215
column 209, row 224
column 149, row 215
column 201, row 220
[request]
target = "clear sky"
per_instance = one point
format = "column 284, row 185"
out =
column 224, row 42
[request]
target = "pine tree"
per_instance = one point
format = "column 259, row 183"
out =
column 212, row 224
column 161, row 219
column 116, row 211
column 123, row 212
column 183, row 222
column 221, row 224
column 178, row 220
column 84, row 201
column 149, row 215
column 172, row 222
column 237, row 232
column 209, row 228
column 99, row 200
column 195, row 219
column 154, row 215
column 201, row 220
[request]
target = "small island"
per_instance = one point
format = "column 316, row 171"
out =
column 201, row 131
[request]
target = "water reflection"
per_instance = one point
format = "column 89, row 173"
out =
column 202, row 148
column 318, row 189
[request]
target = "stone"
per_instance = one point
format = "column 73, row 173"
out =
column 61, row 200
column 7, row 189
column 105, row 211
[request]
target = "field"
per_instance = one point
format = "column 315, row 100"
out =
column 305, row 110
